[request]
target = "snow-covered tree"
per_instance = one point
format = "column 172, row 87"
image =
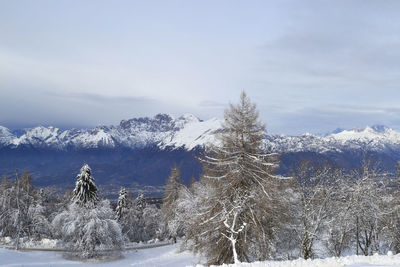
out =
column 23, row 213
column 127, row 216
column 39, row 216
column 146, row 220
column 367, row 199
column 139, row 221
column 169, row 208
column 88, row 225
column 140, row 202
column 16, row 200
column 137, row 231
column 7, row 207
column 88, row 229
column 152, row 222
column 123, row 204
column 237, row 172
column 392, row 218
column 339, row 226
column 361, row 211
column 188, row 205
column 85, row 192
column 313, row 189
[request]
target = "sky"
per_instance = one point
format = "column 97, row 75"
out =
column 310, row 66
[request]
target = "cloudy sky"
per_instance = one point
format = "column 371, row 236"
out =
column 311, row 66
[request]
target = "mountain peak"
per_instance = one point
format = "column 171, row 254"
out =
column 380, row 128
column 158, row 122
column 377, row 128
column 163, row 117
column 189, row 117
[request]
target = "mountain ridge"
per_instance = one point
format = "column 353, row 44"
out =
column 189, row 132
column 139, row 152
column 162, row 130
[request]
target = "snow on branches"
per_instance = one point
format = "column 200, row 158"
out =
column 85, row 192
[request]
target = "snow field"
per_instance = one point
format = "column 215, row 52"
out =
column 167, row 256
column 348, row 261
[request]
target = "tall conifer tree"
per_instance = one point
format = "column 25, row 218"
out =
column 238, row 192
column 85, row 192
column 122, row 204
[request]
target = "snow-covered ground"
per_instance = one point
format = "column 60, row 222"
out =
column 167, row 256
column 349, row 261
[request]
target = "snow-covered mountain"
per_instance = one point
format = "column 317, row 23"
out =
column 189, row 132
column 162, row 130
column 375, row 138
column 137, row 152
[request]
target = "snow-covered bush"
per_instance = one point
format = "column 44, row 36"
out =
column 88, row 229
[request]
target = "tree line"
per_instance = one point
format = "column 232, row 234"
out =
column 79, row 219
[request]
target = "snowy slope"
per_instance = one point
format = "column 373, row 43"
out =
column 6, row 137
column 39, row 137
column 189, row 132
column 194, row 134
